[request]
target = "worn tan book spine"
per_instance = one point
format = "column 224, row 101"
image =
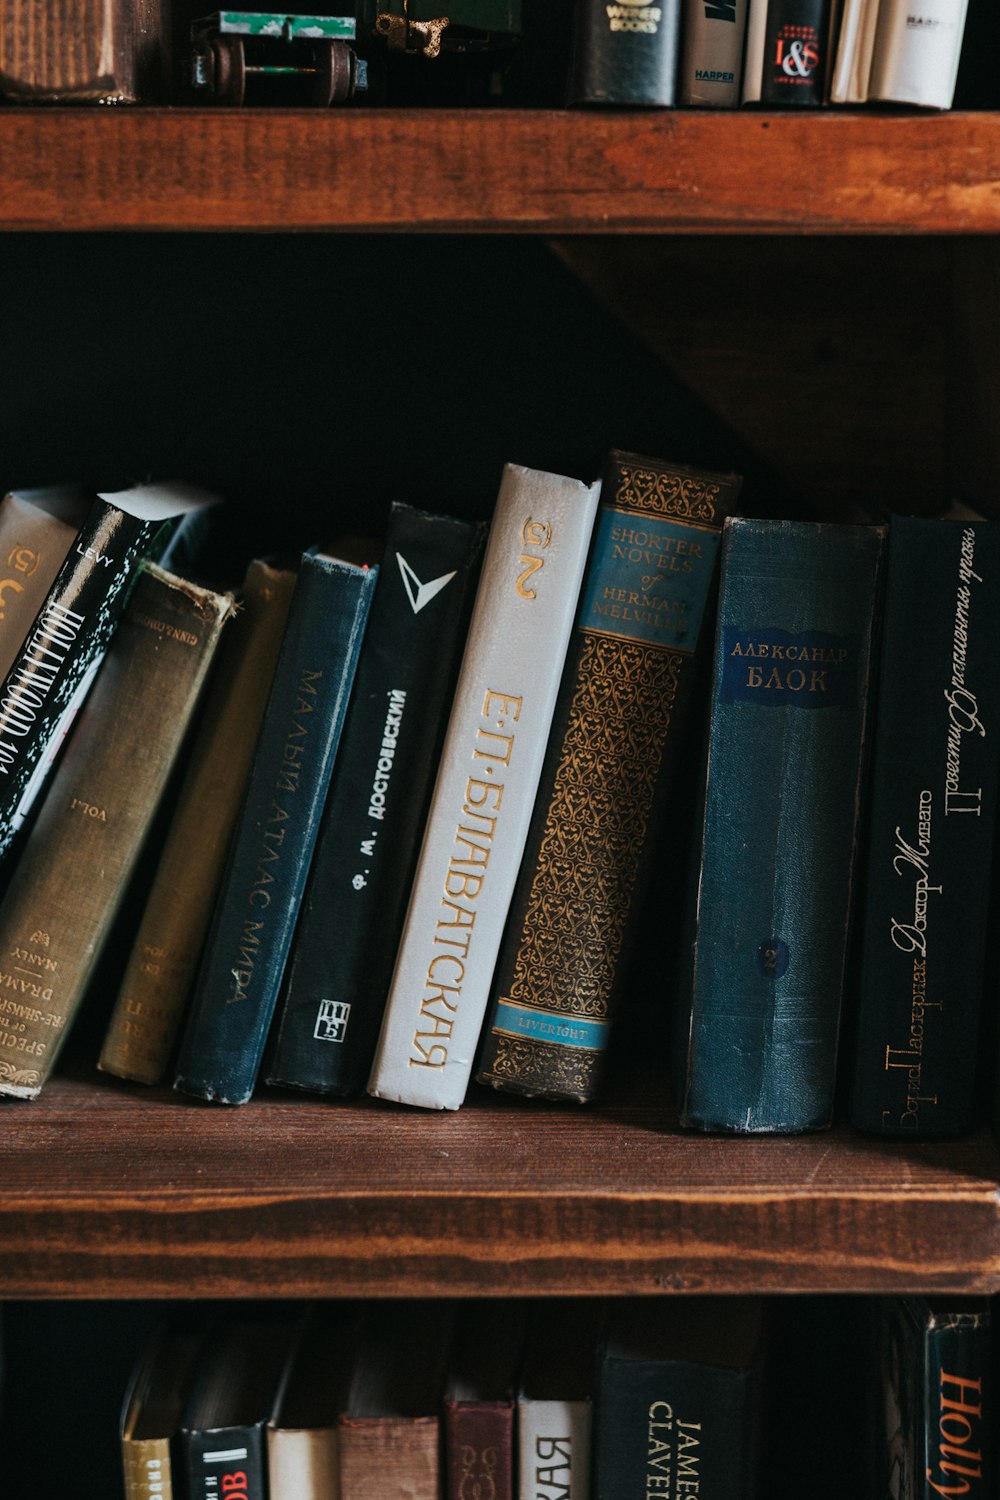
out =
column 168, row 944
column 92, row 51
column 104, row 794
column 382, row 1456
column 146, row 1469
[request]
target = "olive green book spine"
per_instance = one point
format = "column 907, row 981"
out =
column 58, row 912
column 168, row 944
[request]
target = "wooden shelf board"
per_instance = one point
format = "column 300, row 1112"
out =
column 553, row 172
column 106, row 1190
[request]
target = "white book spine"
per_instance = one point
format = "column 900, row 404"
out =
column 917, row 48
column 553, row 1449
column 753, row 59
column 855, row 44
column 485, row 789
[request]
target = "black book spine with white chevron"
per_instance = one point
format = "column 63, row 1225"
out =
column 363, row 866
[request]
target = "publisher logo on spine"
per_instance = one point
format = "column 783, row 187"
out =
column 331, row 1020
column 634, row 15
column 796, row 55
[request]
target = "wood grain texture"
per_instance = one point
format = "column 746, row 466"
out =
column 548, row 171
column 107, row 1190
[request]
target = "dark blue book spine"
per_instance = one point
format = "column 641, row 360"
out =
column 930, row 831
column 678, row 1406
column 356, row 896
column 66, row 642
column 251, row 933
column 757, row 1041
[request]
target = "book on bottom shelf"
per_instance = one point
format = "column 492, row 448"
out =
column 764, row 952
column 390, row 1432
column 479, row 1401
column 852, row 64
column 151, row 1416
column 604, row 793
column 303, row 1445
column 930, row 833
column 555, row 1401
column 154, row 989
column 221, row 1446
column 53, row 671
column 72, row 875
column 679, row 1399
column 257, row 905
column 355, row 897
column 934, row 1395
column 485, row 787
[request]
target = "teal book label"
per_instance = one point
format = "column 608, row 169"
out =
column 771, row 897
column 248, row 944
column 605, row 786
column 930, row 834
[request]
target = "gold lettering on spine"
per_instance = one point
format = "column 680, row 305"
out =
column 464, row 881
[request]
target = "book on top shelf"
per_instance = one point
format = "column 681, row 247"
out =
column 257, row 905
column 916, row 52
column 161, row 967
column 787, row 58
column 54, row 668
column 931, row 829
column 355, row 898
column 625, row 54
column 617, row 734
column 764, row 954
column 711, row 68
column 72, row 875
column 485, row 787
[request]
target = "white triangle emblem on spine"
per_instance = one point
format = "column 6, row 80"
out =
column 419, row 593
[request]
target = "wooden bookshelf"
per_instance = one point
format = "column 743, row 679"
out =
column 107, row 1191
column 550, row 172
column 110, row 1191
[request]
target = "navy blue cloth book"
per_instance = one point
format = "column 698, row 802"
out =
column 251, row 933
column 678, row 1407
column 931, row 826
column 759, row 1015
column 356, row 896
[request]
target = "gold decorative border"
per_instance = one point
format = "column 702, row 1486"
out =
column 602, row 795
column 666, row 493
column 544, row 1069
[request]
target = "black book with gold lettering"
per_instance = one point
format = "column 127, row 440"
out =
column 605, row 788
column 625, row 53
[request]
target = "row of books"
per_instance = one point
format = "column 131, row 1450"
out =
column 423, row 805
column 689, row 52
column 675, row 1396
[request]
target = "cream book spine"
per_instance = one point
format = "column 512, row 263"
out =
column 553, row 1448
column 485, row 788
column 917, row 48
column 855, row 45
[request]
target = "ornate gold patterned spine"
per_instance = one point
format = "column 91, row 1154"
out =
column 603, row 784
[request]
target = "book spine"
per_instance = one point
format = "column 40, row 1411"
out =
column 146, row 1469
column 479, row 1454
column 625, row 54
column 788, row 49
column 930, row 831
column 255, row 913
column 917, row 50
column 34, row 542
column 711, row 66
column 226, row 1463
column 356, row 895
column 83, row 847
column 957, row 1450
column 553, row 1449
column 483, row 796
column 390, row 1456
column 615, row 736
column 168, row 944
column 67, row 639
column 853, row 57
column 662, row 1424
column 758, row 1043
